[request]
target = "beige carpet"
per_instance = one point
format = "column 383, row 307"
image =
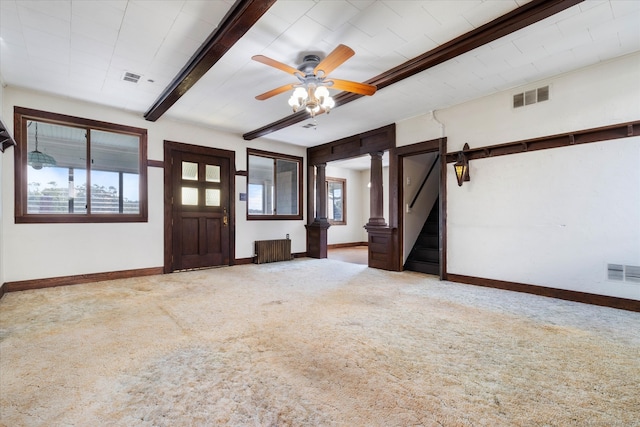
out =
column 312, row 343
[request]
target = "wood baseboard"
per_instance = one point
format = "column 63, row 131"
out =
column 1, row 290
column 78, row 279
column 583, row 297
column 347, row 245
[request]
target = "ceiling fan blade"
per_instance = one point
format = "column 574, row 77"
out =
column 349, row 86
column 276, row 64
column 334, row 59
column 274, row 92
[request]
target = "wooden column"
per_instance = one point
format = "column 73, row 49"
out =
column 321, row 193
column 317, row 230
column 376, row 192
column 382, row 239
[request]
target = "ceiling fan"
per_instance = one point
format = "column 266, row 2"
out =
column 311, row 92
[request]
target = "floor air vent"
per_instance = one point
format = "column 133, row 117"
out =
column 623, row 273
column 531, row 97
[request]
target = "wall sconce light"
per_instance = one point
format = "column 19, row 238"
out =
column 462, row 166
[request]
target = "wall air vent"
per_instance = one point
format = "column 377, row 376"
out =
column 131, row 77
column 623, row 273
column 632, row 273
column 531, row 97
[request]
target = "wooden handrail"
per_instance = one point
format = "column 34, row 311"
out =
column 424, row 181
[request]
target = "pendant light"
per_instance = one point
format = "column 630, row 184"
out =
column 37, row 159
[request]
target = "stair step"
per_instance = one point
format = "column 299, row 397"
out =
column 429, row 240
column 423, row 267
column 423, row 253
column 431, row 227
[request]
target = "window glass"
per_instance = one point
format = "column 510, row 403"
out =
column 273, row 186
column 336, row 200
column 287, row 184
column 112, row 155
column 56, row 168
column 70, row 169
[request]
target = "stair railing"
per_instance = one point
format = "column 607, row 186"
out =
column 424, row 181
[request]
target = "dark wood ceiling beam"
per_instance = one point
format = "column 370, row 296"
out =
column 515, row 20
column 240, row 18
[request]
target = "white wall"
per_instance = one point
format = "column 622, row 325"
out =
column 419, row 129
column 352, row 232
column 554, row 217
column 34, row 251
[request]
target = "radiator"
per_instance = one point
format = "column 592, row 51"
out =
column 273, row 250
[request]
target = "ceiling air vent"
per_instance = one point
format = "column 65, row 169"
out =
column 309, row 125
column 623, row 273
column 531, row 97
column 131, row 77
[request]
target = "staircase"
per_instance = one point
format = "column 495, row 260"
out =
column 425, row 255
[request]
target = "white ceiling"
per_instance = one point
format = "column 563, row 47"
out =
column 81, row 49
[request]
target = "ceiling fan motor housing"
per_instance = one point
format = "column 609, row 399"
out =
column 309, row 63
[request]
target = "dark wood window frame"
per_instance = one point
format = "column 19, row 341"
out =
column 21, row 117
column 344, row 200
column 276, row 156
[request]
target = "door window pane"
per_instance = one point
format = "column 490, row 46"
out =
column 212, row 173
column 190, row 171
column 212, row 197
column 189, row 196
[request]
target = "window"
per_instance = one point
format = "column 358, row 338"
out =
column 70, row 169
column 337, row 201
column 274, row 186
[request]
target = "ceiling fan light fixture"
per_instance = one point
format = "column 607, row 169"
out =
column 312, row 92
column 314, row 99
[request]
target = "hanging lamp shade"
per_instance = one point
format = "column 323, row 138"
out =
column 37, row 159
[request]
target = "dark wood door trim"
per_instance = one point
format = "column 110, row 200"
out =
column 240, row 18
column 396, row 199
column 525, row 15
column 169, row 148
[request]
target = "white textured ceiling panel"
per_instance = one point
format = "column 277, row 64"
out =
column 80, row 49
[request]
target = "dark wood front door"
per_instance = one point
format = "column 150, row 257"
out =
column 200, row 211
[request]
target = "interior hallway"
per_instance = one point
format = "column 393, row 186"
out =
column 351, row 254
